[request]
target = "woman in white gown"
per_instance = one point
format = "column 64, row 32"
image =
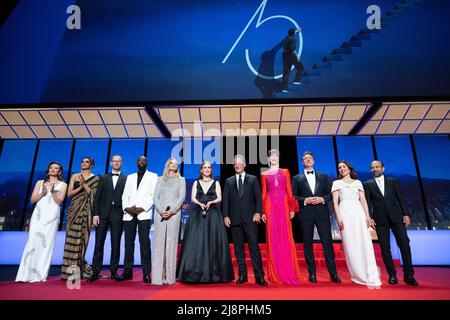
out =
column 38, row 252
column 354, row 221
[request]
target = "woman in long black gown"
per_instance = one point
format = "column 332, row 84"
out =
column 205, row 254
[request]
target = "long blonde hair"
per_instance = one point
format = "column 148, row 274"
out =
column 166, row 169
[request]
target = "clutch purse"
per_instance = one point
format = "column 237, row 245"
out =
column 293, row 205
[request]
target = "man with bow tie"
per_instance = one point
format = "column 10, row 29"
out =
column 107, row 214
column 312, row 191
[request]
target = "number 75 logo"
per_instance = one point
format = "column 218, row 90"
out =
column 259, row 22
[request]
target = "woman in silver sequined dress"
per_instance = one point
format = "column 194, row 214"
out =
column 169, row 195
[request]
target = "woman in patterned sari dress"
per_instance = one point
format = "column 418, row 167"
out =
column 82, row 189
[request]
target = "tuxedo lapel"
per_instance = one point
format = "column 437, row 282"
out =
column 143, row 181
column 304, row 181
column 317, row 182
column 121, row 180
column 109, row 180
column 387, row 187
column 377, row 188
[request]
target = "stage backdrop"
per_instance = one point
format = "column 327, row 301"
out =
column 138, row 50
column 19, row 173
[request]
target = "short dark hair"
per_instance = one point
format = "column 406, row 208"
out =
column 306, row 153
column 291, row 32
column 381, row 162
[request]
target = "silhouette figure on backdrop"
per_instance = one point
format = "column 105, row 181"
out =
column 290, row 58
column 268, row 87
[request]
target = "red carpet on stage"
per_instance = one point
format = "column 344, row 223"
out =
column 434, row 285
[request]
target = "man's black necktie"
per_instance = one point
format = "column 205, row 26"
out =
column 240, row 185
column 114, row 174
column 310, row 172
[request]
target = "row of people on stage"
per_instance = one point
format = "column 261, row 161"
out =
column 124, row 204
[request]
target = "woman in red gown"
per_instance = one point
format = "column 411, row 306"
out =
column 279, row 207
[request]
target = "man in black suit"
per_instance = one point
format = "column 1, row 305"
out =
column 387, row 207
column 242, row 206
column 107, row 213
column 312, row 191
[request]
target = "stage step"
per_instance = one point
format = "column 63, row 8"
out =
column 319, row 256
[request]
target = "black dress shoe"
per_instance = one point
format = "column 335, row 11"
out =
column 261, row 282
column 393, row 280
column 411, row 281
column 147, row 279
column 241, row 280
column 115, row 277
column 312, row 278
column 335, row 278
column 125, row 276
column 93, row 278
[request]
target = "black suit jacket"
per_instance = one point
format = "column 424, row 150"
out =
column 241, row 209
column 390, row 206
column 107, row 195
column 301, row 190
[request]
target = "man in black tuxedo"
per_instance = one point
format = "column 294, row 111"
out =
column 387, row 207
column 242, row 206
column 107, row 213
column 312, row 191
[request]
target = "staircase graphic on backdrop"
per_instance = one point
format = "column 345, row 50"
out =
column 337, row 55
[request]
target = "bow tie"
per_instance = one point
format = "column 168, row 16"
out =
column 310, row 172
column 114, row 174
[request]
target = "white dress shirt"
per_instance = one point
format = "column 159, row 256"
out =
column 237, row 179
column 115, row 178
column 311, row 178
column 380, row 183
